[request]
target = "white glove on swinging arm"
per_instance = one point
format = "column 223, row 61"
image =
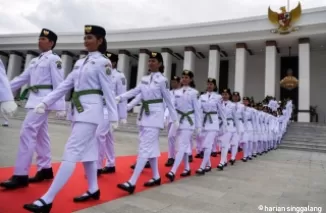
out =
column 8, row 108
column 40, row 108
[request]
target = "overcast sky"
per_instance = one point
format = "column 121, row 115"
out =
column 26, row 16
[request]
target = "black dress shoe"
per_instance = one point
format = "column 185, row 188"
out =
column 208, row 169
column 232, row 162
column 185, row 173
column 153, row 182
column 46, row 208
column 220, row 167
column 197, row 155
column 99, row 172
column 225, row 165
column 126, row 187
column 190, row 159
column 5, row 125
column 15, row 182
column 108, row 170
column 170, row 176
column 214, row 154
column 244, row 159
column 170, row 162
column 85, row 197
column 147, row 165
column 43, row 174
column 200, row 171
column 249, row 158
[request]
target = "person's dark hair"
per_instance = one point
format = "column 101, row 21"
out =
column 192, row 84
column 102, row 48
column 161, row 69
column 54, row 44
column 215, row 89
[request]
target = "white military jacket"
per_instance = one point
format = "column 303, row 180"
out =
column 43, row 70
column 89, row 73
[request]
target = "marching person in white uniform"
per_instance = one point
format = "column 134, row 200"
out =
column 104, row 132
column 155, row 94
column 212, row 109
column 90, row 80
column 238, row 137
column 230, row 133
column 44, row 74
column 189, row 114
column 175, row 85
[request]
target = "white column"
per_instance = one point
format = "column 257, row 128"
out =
column 124, row 64
column 142, row 69
column 142, row 64
column 304, row 80
column 67, row 60
column 4, row 57
column 14, row 66
column 240, row 68
column 83, row 54
column 189, row 59
column 214, row 62
column 167, row 62
column 67, row 63
column 29, row 56
column 270, row 68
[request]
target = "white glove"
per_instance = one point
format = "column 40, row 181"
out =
column 166, row 122
column 117, row 99
column 61, row 114
column 8, row 108
column 40, row 108
column 123, row 121
column 198, row 131
column 176, row 124
column 114, row 125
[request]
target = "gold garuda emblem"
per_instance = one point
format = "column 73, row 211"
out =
column 289, row 82
column 45, row 32
column 284, row 19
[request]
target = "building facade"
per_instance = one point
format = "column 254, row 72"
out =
column 243, row 55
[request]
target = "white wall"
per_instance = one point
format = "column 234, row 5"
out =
column 318, row 83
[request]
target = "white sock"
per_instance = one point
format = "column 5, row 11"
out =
column 154, row 166
column 224, row 155
column 178, row 158
column 234, row 151
column 65, row 171
column 141, row 162
column 205, row 161
column 186, row 162
column 245, row 150
column 91, row 174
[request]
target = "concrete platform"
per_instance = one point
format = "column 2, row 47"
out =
column 282, row 178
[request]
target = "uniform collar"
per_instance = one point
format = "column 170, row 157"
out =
column 94, row 54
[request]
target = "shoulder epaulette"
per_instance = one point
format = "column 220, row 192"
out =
column 54, row 53
column 105, row 56
column 118, row 71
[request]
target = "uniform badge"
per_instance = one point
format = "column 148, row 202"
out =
column 123, row 81
column 59, row 64
column 108, row 69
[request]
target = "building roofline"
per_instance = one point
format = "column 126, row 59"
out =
column 174, row 27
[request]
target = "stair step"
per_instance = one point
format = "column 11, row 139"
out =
column 321, row 144
column 307, row 146
column 302, row 149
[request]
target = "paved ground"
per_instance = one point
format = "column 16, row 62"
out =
column 280, row 179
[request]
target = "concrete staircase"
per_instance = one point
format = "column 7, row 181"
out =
column 130, row 127
column 305, row 137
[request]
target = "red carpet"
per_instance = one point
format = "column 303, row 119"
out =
column 12, row 201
